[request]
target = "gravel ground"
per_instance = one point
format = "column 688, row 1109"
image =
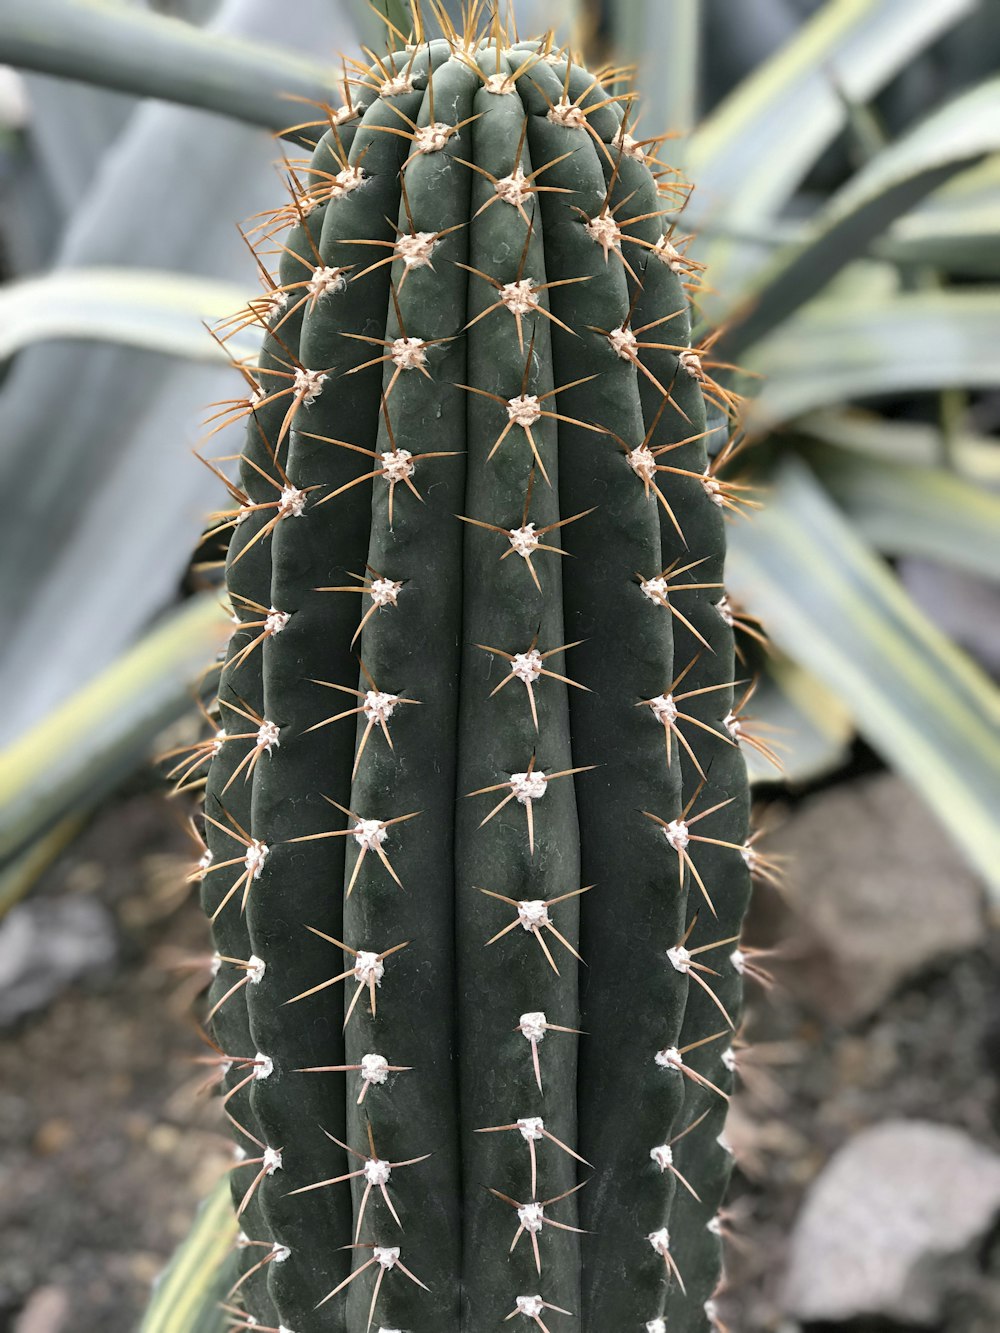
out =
column 108, row 1142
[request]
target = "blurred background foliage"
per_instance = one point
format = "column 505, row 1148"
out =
column 847, row 161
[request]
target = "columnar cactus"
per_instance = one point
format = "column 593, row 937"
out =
column 477, row 816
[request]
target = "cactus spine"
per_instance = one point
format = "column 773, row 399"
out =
column 476, row 820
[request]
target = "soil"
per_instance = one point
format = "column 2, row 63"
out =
column 932, row 1052
column 109, row 1145
column 107, row 1142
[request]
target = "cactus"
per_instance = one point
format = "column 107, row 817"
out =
column 476, row 813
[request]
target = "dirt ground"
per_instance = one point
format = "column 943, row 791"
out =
column 932, row 1053
column 107, row 1144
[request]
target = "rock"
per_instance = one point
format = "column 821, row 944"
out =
column 886, row 1224
column 881, row 892
column 47, row 944
column 47, row 1311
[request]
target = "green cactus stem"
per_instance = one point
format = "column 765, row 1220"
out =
column 477, row 814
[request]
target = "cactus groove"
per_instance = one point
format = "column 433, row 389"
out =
column 476, row 814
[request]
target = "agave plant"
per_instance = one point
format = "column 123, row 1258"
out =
column 829, row 312
column 829, row 304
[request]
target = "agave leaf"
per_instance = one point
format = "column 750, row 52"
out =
column 370, row 18
column 741, row 37
column 955, row 137
column 396, row 11
column 565, row 17
column 975, row 457
column 96, row 439
column 752, row 152
column 956, row 229
column 530, row 16
column 836, row 609
column 29, row 217
column 75, row 756
column 834, row 351
column 134, row 51
column 910, row 510
column 662, row 41
column 162, row 312
column 70, row 125
column 802, row 720
column 792, row 100
column 66, row 129
column 19, row 875
column 188, row 1294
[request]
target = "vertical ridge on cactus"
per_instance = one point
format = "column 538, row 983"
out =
column 472, row 1003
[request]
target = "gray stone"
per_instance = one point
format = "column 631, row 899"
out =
column 48, row 1310
column 881, row 891
column 887, row 1223
column 47, row 944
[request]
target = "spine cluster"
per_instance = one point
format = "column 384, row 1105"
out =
column 476, row 813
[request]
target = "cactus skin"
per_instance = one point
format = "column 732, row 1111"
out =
column 350, row 853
